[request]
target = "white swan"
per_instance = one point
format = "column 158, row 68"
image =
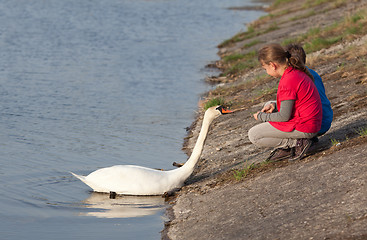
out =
column 137, row 180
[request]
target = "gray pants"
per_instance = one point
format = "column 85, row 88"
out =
column 265, row 135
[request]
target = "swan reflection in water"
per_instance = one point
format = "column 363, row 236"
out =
column 122, row 206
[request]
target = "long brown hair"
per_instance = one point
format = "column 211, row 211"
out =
column 276, row 53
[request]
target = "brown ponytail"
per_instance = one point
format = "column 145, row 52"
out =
column 297, row 50
column 276, row 53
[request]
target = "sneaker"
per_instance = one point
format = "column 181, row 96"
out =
column 280, row 154
column 303, row 144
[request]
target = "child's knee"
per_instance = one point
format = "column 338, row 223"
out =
column 252, row 135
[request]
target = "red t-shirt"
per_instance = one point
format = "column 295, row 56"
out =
column 307, row 111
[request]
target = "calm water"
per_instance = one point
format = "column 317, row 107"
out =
column 88, row 84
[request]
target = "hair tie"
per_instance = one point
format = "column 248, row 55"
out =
column 288, row 55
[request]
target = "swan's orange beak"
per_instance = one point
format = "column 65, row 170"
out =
column 224, row 110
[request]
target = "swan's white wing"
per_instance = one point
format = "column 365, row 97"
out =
column 129, row 179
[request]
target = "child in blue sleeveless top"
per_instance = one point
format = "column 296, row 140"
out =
column 327, row 112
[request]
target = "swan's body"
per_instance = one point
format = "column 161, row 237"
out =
column 137, row 180
column 133, row 180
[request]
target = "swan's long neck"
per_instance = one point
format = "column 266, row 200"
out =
column 189, row 166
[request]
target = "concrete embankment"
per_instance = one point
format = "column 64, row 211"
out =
column 322, row 196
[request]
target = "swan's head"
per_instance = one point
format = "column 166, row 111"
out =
column 223, row 110
column 216, row 111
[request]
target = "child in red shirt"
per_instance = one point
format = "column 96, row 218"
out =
column 297, row 115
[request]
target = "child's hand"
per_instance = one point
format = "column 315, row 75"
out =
column 268, row 108
column 255, row 115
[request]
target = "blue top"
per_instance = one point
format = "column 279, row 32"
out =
column 327, row 112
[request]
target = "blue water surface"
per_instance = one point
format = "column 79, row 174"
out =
column 88, row 84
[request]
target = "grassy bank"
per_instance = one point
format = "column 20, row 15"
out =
column 240, row 55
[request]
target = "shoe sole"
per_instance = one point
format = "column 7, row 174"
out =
column 278, row 159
